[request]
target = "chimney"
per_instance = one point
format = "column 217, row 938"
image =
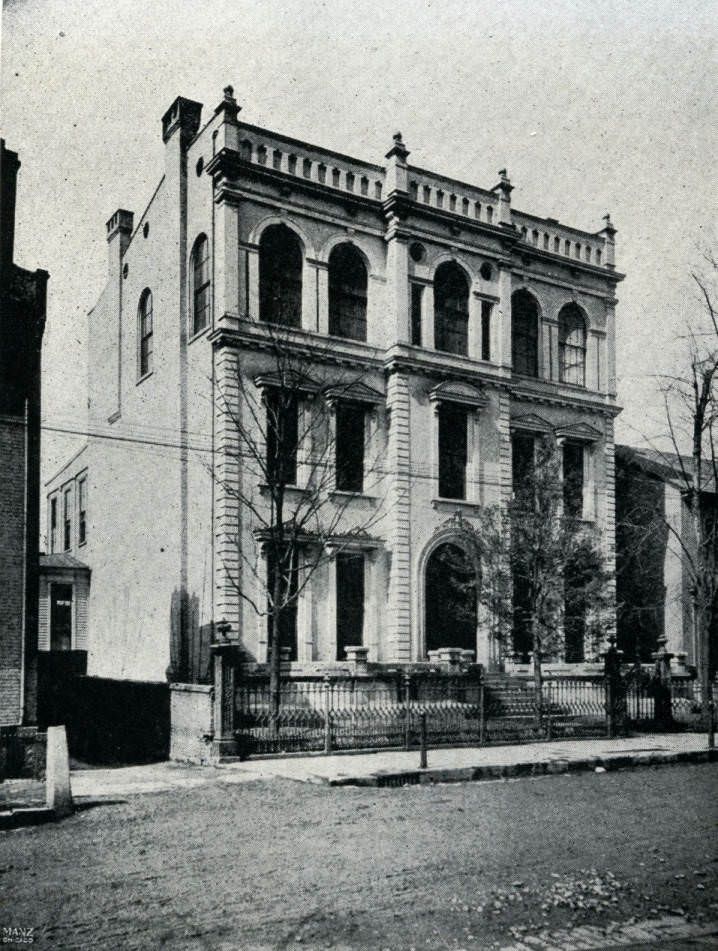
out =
column 119, row 231
column 183, row 116
column 9, row 165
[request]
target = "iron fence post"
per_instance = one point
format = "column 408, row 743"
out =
column 422, row 741
column 407, row 710
column 482, row 713
column 327, row 715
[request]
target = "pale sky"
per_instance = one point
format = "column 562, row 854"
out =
column 592, row 107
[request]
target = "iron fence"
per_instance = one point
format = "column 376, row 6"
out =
column 325, row 714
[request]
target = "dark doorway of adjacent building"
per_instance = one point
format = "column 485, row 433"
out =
column 61, row 617
column 450, row 597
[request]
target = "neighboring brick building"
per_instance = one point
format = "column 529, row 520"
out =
column 22, row 321
column 474, row 326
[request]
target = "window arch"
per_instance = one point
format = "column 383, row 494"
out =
column 524, row 333
column 145, row 322
column 451, row 309
column 200, row 284
column 280, row 276
column 347, row 293
column 572, row 345
column 451, row 582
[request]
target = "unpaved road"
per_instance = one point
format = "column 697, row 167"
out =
column 283, row 865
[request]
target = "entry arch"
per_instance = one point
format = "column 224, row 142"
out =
column 449, row 579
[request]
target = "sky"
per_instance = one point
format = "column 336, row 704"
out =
column 592, row 107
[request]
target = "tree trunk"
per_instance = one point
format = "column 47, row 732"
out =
column 538, row 678
column 275, row 657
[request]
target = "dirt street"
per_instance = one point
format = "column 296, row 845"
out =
column 284, row 865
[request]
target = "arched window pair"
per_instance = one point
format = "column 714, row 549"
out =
column 525, row 339
column 280, row 284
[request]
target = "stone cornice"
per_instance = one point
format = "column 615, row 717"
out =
column 570, row 264
column 563, row 399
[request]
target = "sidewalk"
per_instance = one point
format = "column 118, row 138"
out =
column 392, row 768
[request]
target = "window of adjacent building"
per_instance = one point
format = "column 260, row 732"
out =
column 522, row 462
column 145, row 322
column 486, row 309
column 573, row 479
column 82, row 511
column 287, row 609
column 60, row 617
column 282, row 437
column 451, row 309
column 453, row 445
column 67, row 520
column 417, row 292
column 349, row 446
column 574, row 616
column 347, row 293
column 200, row 290
column 524, row 334
column 53, row 525
column 572, row 345
column 350, row 601
column 280, row 277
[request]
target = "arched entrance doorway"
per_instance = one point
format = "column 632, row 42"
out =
column 450, row 602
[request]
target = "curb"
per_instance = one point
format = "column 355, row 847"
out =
column 464, row 774
column 26, row 816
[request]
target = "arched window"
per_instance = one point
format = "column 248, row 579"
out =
column 280, row 277
column 199, row 290
column 524, row 334
column 451, row 309
column 347, row 293
column 144, row 320
column 572, row 345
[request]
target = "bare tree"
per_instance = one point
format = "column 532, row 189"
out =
column 691, row 409
column 543, row 568
column 303, row 453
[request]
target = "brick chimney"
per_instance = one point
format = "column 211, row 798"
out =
column 9, row 166
column 119, row 231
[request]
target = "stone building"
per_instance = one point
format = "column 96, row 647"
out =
column 469, row 326
column 22, row 322
column 655, row 545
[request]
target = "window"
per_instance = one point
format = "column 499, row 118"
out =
column 573, row 479
column 417, row 292
column 199, row 292
column 522, row 462
column 282, row 437
column 349, row 447
column 451, row 309
column 524, row 334
column 574, row 618
column 347, row 293
column 67, row 520
column 280, row 277
column 82, row 511
column 350, row 602
column 572, row 345
column 53, row 524
column 486, row 308
column 145, row 322
column 452, row 451
column 287, row 607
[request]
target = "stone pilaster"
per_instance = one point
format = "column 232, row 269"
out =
column 398, row 613
column 226, row 482
column 503, row 426
column 609, row 511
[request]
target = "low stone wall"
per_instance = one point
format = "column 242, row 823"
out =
column 191, row 722
column 22, row 752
